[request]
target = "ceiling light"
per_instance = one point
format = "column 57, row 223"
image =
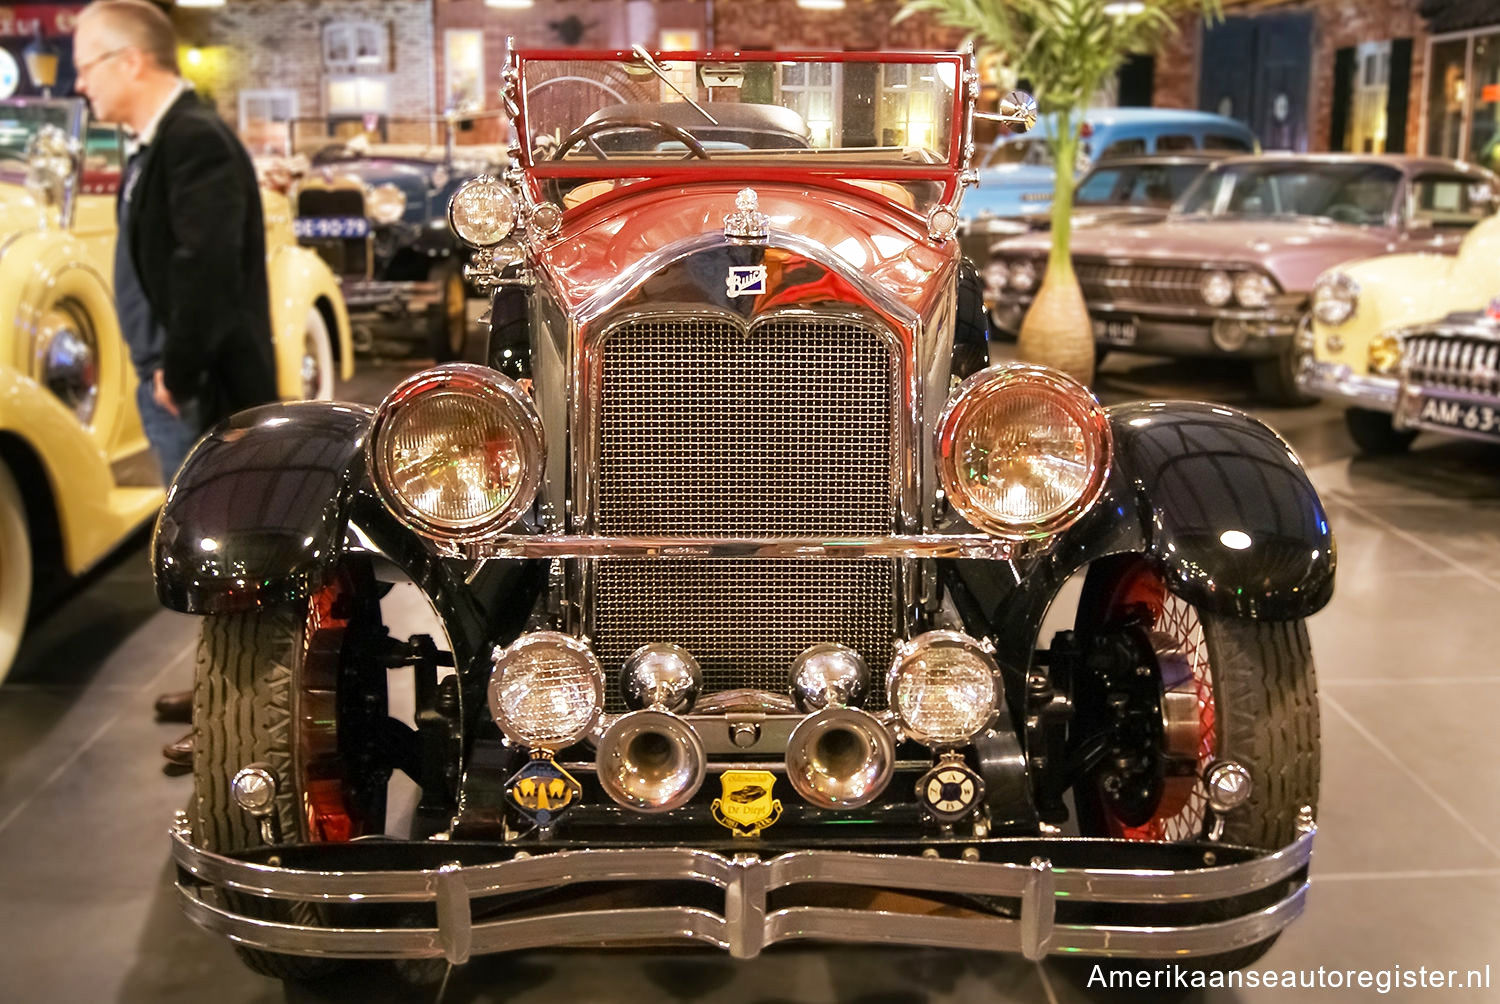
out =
column 200, row 3
column 1124, row 9
column 509, row 4
column 821, row 4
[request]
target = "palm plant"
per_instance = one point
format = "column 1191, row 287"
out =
column 1067, row 50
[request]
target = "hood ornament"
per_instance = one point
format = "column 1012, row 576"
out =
column 747, row 222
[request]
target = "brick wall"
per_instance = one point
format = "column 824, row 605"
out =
column 1337, row 24
column 261, row 44
column 863, row 24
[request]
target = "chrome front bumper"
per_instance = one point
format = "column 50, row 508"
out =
column 1010, row 869
column 363, row 295
column 1337, row 381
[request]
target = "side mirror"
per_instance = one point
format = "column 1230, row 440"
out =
column 1017, row 110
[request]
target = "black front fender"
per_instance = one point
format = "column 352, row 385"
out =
column 1212, row 495
column 259, row 508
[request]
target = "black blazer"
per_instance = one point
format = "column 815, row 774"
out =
column 197, row 239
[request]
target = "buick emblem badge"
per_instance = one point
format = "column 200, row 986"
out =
column 746, row 280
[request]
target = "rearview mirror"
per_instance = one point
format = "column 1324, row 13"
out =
column 1017, row 110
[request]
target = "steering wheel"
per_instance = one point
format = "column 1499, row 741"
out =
column 1344, row 212
column 585, row 134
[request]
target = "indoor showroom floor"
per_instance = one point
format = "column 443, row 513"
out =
column 1407, row 863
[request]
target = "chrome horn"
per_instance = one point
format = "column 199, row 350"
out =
column 651, row 760
column 839, row 757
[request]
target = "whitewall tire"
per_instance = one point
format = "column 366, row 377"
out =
column 15, row 569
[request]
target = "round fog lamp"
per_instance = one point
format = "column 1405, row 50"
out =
column 546, row 691
column 661, row 675
column 456, row 452
column 829, row 674
column 944, row 687
column 1384, row 352
column 1217, row 289
column 1023, row 275
column 995, row 277
column 1229, row 335
column 482, row 212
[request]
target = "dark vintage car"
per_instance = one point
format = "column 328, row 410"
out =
column 377, row 213
column 1230, row 272
column 742, row 554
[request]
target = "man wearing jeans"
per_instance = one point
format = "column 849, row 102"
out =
column 190, row 259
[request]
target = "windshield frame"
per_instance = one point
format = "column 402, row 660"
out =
column 947, row 172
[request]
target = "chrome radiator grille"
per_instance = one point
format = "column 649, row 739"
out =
column 745, row 620
column 1455, row 362
column 705, row 429
column 1169, row 285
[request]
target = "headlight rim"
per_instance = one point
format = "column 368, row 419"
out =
column 488, row 383
column 504, row 190
column 67, row 316
column 1094, row 419
column 1210, row 275
column 944, row 638
column 596, row 675
column 1336, row 289
column 385, row 189
column 1265, row 282
column 1023, row 267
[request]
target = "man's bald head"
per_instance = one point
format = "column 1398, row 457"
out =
column 136, row 24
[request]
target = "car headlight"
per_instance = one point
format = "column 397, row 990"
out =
column 1216, row 288
column 546, row 690
column 385, row 203
column 1253, row 290
column 944, row 688
column 1023, row 451
column 482, row 212
column 456, row 452
column 1023, row 275
column 1335, row 297
column 1384, row 354
column 995, row 277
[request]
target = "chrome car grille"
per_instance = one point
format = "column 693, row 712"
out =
column 705, row 428
column 1461, row 363
column 1166, row 285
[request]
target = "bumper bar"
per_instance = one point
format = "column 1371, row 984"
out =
column 557, row 545
column 747, row 923
column 1338, row 382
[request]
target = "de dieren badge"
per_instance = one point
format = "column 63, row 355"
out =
column 542, row 790
column 746, row 807
column 746, row 280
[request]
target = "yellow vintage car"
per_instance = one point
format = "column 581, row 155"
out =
column 1407, row 341
column 75, row 472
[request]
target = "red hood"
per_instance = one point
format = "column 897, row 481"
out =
column 888, row 247
column 1295, row 253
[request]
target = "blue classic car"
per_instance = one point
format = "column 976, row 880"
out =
column 1017, row 174
column 377, row 213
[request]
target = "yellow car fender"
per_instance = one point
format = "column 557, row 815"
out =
column 92, row 513
column 300, row 281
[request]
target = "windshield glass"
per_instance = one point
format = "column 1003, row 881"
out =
column 1136, row 184
column 20, row 122
column 1359, row 193
column 784, row 110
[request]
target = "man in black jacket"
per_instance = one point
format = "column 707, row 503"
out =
column 190, row 259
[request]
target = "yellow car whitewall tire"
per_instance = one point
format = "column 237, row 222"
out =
column 15, row 569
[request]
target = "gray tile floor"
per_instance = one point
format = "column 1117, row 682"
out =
column 1407, row 870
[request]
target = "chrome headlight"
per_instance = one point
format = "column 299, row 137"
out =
column 546, row 691
column 385, row 203
column 1023, row 275
column 1216, row 288
column 67, row 361
column 995, row 276
column 1253, row 290
column 1335, row 297
column 944, row 687
column 1023, row 451
column 482, row 212
column 457, row 451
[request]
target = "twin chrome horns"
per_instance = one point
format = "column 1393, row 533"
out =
column 840, row 757
column 651, row 760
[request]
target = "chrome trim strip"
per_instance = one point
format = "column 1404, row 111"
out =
column 1204, row 313
column 594, row 546
column 1336, row 380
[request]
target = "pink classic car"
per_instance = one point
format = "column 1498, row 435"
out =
column 1230, row 271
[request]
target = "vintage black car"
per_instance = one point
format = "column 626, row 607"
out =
column 742, row 553
column 377, row 213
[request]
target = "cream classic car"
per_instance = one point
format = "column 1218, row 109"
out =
column 72, row 483
column 1406, row 341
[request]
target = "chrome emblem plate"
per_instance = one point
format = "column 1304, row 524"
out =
column 747, row 807
column 746, row 280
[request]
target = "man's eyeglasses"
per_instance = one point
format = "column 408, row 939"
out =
column 83, row 68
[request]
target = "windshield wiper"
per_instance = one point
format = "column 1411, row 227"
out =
column 655, row 67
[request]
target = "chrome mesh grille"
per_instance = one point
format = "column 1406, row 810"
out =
column 1150, row 284
column 744, row 620
column 1471, row 365
column 705, row 431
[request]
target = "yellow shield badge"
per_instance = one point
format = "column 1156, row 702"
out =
column 747, row 807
